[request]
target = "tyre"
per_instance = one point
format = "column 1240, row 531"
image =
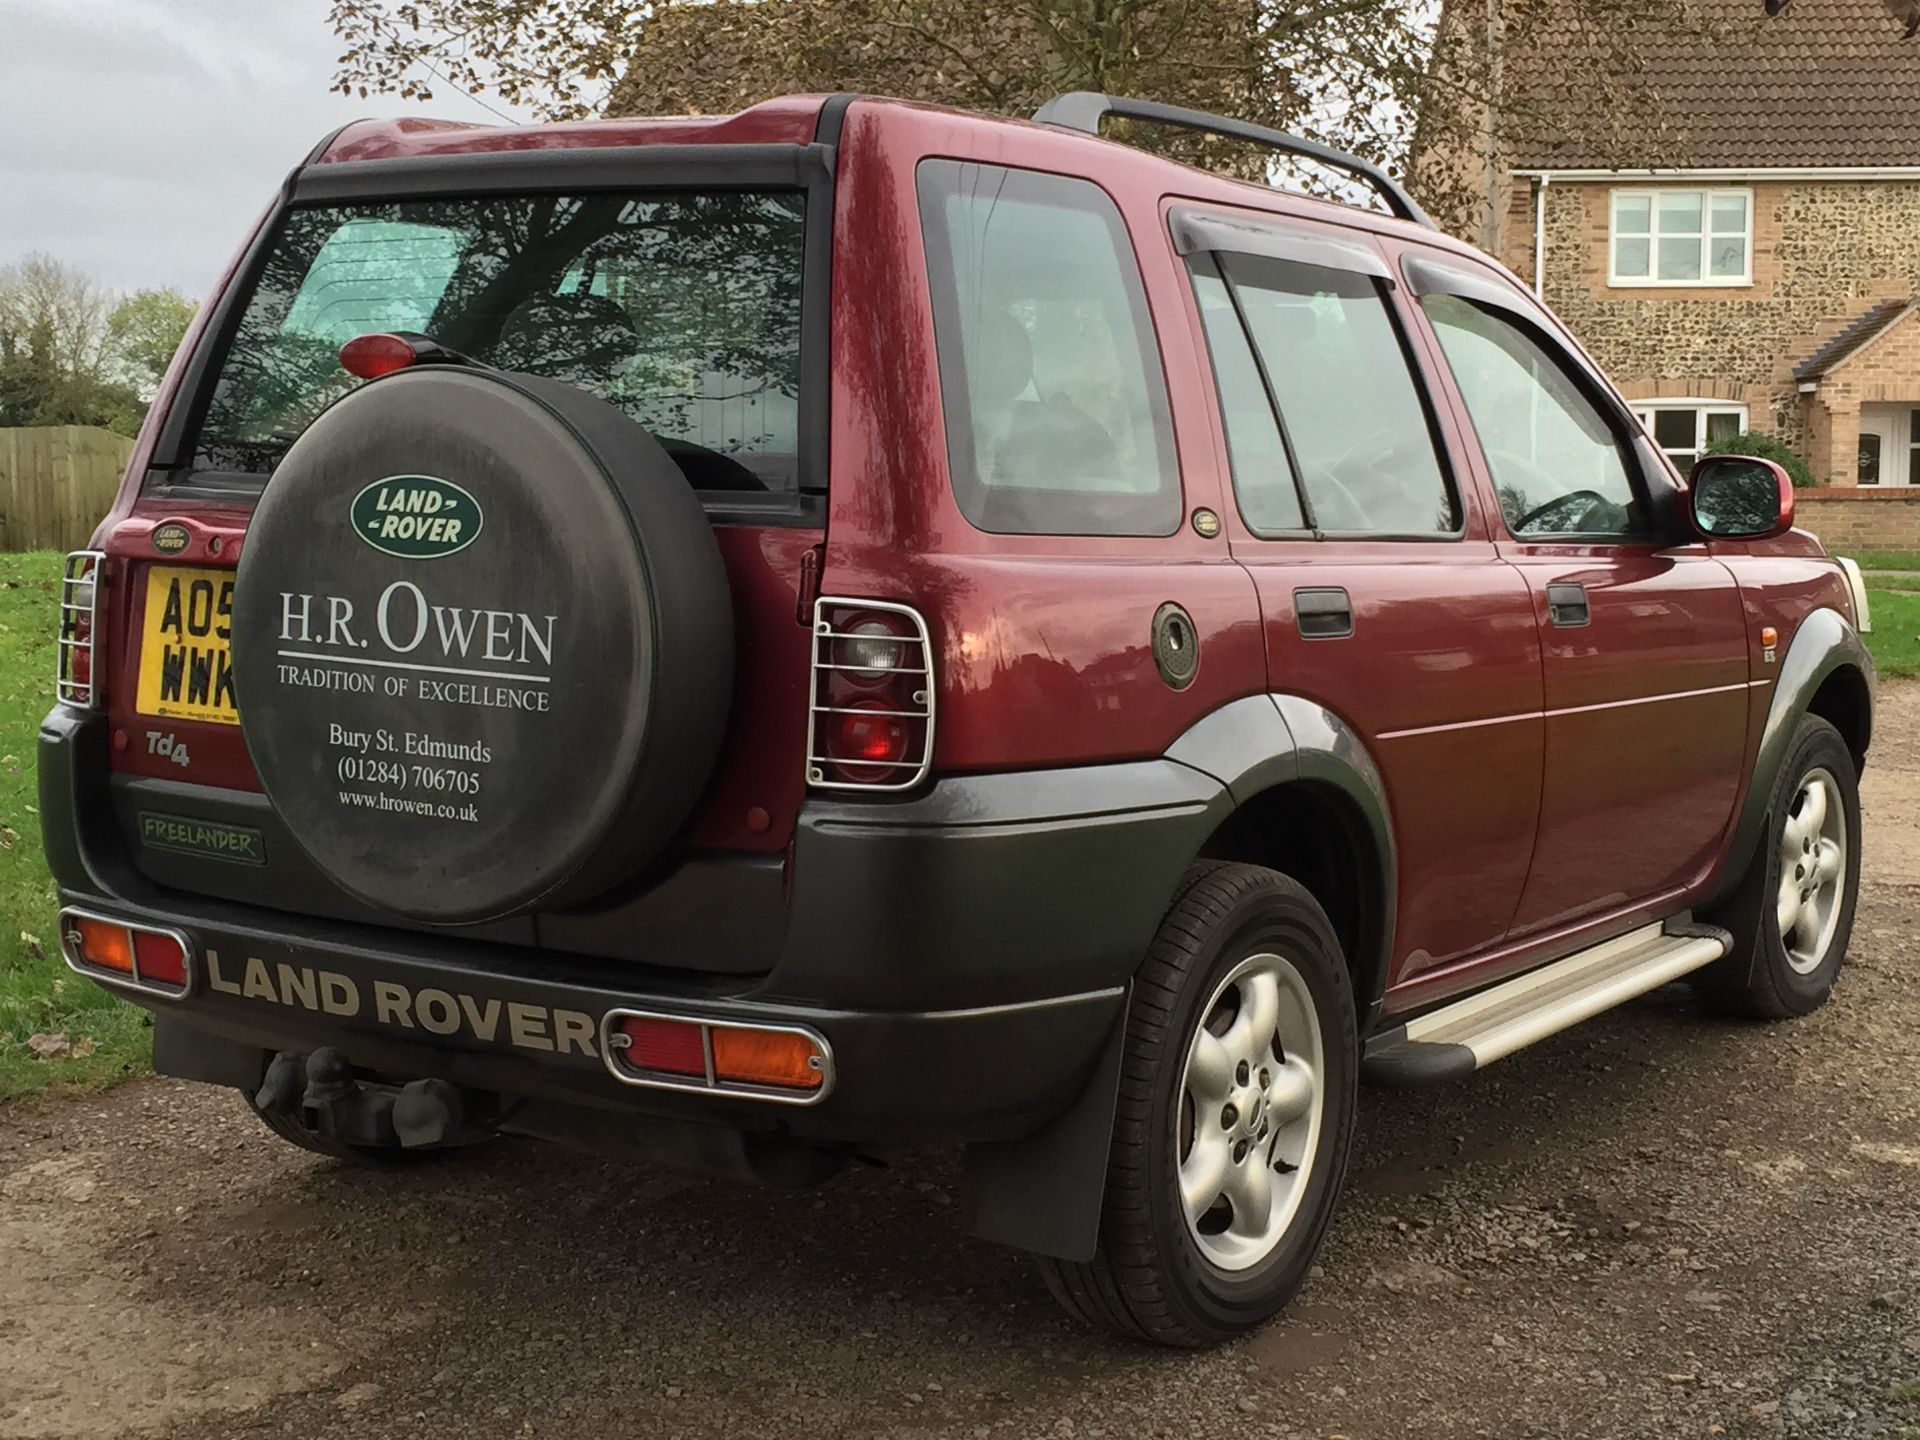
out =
column 1234, row 1120
column 1792, row 916
column 486, row 638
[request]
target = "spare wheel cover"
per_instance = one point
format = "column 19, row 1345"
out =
column 482, row 644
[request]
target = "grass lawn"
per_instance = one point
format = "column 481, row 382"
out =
column 1895, row 640
column 1886, row 559
column 106, row 1038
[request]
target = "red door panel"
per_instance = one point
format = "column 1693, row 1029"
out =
column 1645, row 729
column 1441, row 678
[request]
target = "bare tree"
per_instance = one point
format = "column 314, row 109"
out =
column 73, row 353
column 1425, row 86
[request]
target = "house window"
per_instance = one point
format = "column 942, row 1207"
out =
column 1683, row 429
column 1913, row 447
column 1681, row 237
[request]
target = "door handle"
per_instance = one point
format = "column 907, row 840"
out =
column 1325, row 614
column 1567, row 604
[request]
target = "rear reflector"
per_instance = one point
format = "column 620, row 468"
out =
column 788, row 1064
column 673, row 1047
column 138, row 957
column 160, row 957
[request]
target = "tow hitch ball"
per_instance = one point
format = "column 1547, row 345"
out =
column 337, row 1103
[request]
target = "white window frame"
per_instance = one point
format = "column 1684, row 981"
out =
column 1650, row 281
column 1644, row 411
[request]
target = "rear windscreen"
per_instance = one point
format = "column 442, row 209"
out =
column 682, row 309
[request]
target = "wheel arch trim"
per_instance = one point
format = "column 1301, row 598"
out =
column 1824, row 643
column 1264, row 742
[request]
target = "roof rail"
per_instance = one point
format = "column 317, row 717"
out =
column 1084, row 110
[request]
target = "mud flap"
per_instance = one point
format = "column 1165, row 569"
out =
column 188, row 1053
column 1044, row 1193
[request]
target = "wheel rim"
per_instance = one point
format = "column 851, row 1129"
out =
column 1250, row 1110
column 1813, row 871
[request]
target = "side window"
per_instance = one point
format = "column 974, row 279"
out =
column 1262, row 474
column 1355, row 421
column 1057, row 413
column 1557, row 465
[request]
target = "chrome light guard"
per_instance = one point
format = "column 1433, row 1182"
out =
column 824, row 635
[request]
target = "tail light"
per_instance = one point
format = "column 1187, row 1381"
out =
column 870, row 723
column 138, row 957
column 74, row 667
column 790, row 1064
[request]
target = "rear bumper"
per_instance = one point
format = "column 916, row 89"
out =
column 965, row 956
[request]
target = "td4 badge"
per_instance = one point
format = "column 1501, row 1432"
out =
column 168, row 746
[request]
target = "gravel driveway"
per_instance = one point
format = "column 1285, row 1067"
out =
column 1654, row 1225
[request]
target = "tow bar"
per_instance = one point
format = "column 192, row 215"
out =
column 339, row 1104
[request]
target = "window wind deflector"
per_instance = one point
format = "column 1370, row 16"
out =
column 1083, row 110
column 1196, row 231
column 1427, row 276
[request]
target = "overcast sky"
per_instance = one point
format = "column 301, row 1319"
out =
column 139, row 138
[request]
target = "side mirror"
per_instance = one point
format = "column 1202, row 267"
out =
column 1740, row 497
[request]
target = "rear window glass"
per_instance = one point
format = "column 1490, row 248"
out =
column 683, row 310
column 1056, row 408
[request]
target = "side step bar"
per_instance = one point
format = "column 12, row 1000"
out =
column 1490, row 1024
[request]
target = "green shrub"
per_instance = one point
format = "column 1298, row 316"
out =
column 1765, row 447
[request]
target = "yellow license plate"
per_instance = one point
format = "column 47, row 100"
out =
column 186, row 665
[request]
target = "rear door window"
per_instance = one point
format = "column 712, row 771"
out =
column 1056, row 407
column 1354, row 418
column 683, row 310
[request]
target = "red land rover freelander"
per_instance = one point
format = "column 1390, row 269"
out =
column 744, row 641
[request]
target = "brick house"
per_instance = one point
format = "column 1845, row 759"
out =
column 1757, row 267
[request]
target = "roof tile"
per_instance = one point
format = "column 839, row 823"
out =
column 1840, row 348
column 1829, row 83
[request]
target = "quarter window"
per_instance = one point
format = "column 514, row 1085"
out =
column 1683, row 429
column 1681, row 237
column 1557, row 466
column 1056, row 408
column 1263, row 479
column 1354, row 421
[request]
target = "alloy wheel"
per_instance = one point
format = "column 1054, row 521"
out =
column 1813, row 871
column 1251, row 1100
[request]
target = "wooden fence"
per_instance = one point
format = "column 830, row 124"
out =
column 56, row 481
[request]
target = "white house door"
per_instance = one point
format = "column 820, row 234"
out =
column 1885, row 440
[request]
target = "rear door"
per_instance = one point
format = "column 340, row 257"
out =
column 1641, row 629
column 689, row 293
column 1382, row 596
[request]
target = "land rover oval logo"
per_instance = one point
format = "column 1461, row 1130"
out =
column 417, row 517
column 171, row 538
